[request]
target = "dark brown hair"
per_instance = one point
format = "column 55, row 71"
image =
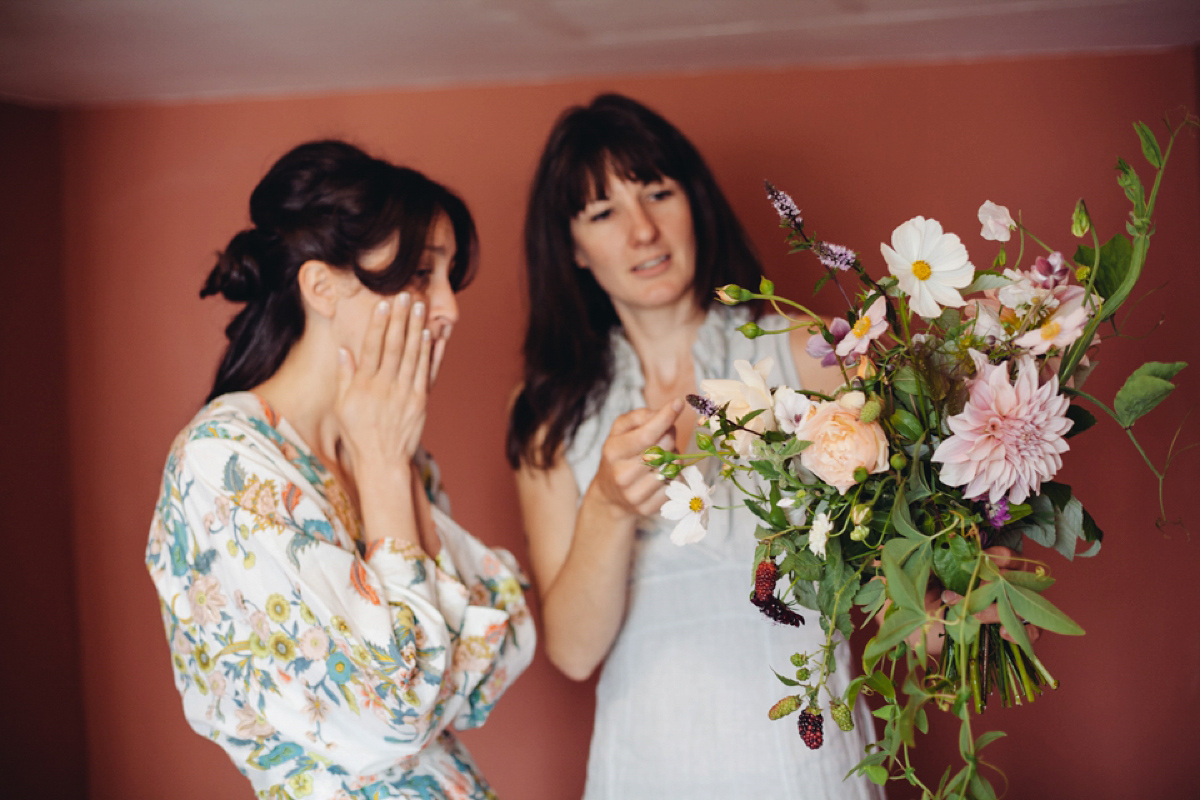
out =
column 568, row 365
column 325, row 201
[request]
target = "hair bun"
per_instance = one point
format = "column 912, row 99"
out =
column 238, row 274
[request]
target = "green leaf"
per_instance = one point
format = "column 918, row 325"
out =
column 987, row 738
column 983, row 596
column 1081, row 419
column 869, row 593
column 954, row 563
column 907, row 425
column 902, row 521
column 1115, row 257
column 1012, row 623
column 785, row 681
column 877, row 775
column 1148, row 386
column 1039, row 611
column 1128, row 180
column 805, row 565
column 1029, row 580
column 895, row 629
column 986, row 279
column 900, row 586
column 1150, row 148
column 880, row 682
column 980, row 788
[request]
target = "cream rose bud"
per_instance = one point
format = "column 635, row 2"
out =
column 842, row 442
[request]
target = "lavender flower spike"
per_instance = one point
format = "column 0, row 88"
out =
column 704, row 407
column 785, row 206
column 835, row 256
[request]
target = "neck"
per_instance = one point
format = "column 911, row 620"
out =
column 303, row 391
column 662, row 339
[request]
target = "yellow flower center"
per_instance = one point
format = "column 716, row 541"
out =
column 861, row 327
column 696, row 504
column 922, row 270
column 1051, row 329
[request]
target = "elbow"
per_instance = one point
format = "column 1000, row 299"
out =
column 570, row 662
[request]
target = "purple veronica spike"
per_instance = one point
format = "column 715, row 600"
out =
column 704, row 407
column 788, row 211
column 835, row 256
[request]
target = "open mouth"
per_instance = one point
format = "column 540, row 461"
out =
column 652, row 263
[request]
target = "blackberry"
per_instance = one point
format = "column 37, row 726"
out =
column 841, row 715
column 777, row 610
column 765, row 575
column 811, row 729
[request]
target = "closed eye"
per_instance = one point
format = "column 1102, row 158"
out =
column 599, row 216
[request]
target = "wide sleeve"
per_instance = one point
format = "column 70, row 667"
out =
column 360, row 659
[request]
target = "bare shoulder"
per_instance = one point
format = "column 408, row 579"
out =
column 812, row 375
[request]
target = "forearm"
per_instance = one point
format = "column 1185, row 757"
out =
column 386, row 503
column 584, row 606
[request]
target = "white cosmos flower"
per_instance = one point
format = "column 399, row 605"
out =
column 791, row 407
column 930, row 265
column 688, row 501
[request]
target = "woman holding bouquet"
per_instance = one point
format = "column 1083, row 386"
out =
column 328, row 620
column 627, row 238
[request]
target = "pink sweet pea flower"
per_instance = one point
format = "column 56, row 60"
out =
column 997, row 222
column 817, row 347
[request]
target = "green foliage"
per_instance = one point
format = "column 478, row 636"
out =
column 1148, row 386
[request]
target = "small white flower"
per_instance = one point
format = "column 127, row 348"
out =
column 818, row 534
column 929, row 264
column 790, row 408
column 688, row 501
column 997, row 222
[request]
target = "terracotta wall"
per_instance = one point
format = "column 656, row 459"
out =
column 152, row 191
column 41, row 721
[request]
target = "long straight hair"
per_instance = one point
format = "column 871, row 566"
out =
column 325, row 201
column 568, row 361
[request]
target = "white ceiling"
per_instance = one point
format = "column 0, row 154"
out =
column 72, row 52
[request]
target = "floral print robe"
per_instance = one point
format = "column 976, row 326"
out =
column 324, row 669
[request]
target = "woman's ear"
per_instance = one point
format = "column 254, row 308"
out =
column 318, row 287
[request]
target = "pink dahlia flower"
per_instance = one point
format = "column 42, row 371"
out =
column 1009, row 438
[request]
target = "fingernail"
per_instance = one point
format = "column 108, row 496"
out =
column 403, row 297
column 949, row 597
column 343, row 355
column 382, row 308
column 418, row 308
column 425, row 334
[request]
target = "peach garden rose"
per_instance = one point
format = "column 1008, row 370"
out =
column 842, row 442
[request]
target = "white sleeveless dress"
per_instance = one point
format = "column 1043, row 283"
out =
column 682, row 699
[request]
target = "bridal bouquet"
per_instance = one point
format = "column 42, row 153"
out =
column 899, row 493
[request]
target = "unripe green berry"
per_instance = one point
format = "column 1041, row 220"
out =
column 898, row 461
column 860, row 474
column 870, row 410
column 841, row 715
column 787, row 705
column 799, row 660
column 802, row 674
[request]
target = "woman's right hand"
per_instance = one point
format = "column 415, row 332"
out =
column 623, row 480
column 381, row 395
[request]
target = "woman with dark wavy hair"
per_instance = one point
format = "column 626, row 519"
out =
column 627, row 236
column 328, row 621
